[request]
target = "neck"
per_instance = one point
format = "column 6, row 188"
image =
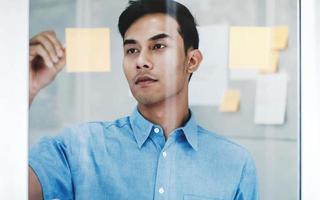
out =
column 169, row 114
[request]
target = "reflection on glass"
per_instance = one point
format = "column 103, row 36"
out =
column 225, row 132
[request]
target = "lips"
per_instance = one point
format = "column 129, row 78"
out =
column 145, row 79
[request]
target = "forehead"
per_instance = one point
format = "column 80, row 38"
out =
column 152, row 24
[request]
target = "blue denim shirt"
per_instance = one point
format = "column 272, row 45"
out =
column 130, row 159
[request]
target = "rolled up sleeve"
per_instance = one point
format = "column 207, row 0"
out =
column 49, row 160
column 248, row 186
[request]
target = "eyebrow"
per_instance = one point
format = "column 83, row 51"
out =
column 160, row 36
column 153, row 38
column 129, row 41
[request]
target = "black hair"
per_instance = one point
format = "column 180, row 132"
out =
column 139, row 8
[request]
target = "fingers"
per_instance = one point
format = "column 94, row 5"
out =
column 56, row 43
column 38, row 49
column 59, row 66
column 51, row 44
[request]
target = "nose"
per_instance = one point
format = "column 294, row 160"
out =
column 143, row 60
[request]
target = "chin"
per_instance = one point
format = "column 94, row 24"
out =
column 148, row 100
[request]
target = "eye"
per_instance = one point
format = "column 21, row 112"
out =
column 131, row 51
column 159, row 46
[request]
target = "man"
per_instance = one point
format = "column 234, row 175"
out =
column 159, row 151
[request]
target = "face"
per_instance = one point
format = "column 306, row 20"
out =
column 154, row 59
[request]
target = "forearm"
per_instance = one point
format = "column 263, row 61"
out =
column 34, row 188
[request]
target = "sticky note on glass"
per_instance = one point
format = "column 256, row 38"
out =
column 252, row 48
column 88, row 49
column 272, row 67
column 249, row 48
column 280, row 36
column 230, row 101
column 271, row 99
column 213, row 75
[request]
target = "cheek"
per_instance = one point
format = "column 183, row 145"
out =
column 170, row 62
column 128, row 70
column 174, row 65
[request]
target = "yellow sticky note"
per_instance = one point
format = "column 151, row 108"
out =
column 273, row 63
column 230, row 101
column 88, row 49
column 280, row 36
column 249, row 48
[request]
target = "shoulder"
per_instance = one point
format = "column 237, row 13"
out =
column 222, row 146
column 97, row 126
column 91, row 130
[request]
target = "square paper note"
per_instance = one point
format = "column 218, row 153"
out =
column 250, row 48
column 230, row 101
column 88, row 49
column 271, row 99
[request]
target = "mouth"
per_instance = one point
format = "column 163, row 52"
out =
column 145, row 81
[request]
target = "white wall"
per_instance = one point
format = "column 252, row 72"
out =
column 13, row 98
column 310, row 107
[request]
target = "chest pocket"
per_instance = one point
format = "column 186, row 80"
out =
column 195, row 197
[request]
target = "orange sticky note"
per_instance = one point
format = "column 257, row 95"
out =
column 230, row 101
column 88, row 50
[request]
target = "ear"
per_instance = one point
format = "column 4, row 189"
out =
column 194, row 60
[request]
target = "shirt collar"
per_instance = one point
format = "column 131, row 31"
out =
column 142, row 128
column 190, row 130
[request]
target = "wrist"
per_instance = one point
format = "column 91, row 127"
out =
column 33, row 91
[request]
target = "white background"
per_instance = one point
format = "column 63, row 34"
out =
column 310, row 99
column 13, row 98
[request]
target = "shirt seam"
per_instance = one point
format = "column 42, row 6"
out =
column 219, row 137
column 114, row 123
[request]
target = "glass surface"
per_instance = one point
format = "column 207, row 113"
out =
column 81, row 97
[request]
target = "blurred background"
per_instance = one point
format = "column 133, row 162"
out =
column 80, row 97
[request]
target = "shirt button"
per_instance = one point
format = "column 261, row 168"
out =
column 156, row 130
column 164, row 154
column 161, row 190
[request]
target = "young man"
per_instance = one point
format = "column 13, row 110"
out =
column 159, row 151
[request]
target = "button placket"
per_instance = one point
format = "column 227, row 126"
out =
column 163, row 176
column 161, row 180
